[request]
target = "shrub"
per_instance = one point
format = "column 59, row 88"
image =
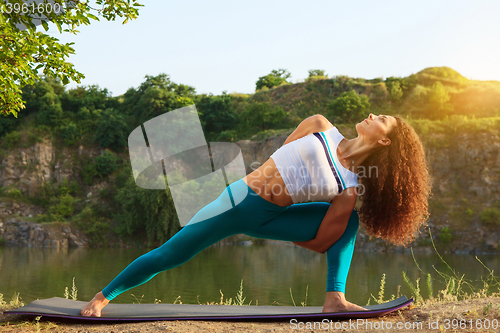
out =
column 11, row 139
column 228, row 136
column 274, row 79
column 62, row 206
column 106, row 163
column 111, row 131
column 145, row 213
column 89, row 171
column 438, row 98
column 101, row 166
column 490, row 216
column 445, row 235
column 7, row 124
column 68, row 188
column 262, row 116
column 50, row 112
column 45, row 192
column 69, row 133
column 349, row 107
column 317, row 73
column 94, row 227
column 58, row 199
column 34, row 138
column 15, row 193
column 217, row 112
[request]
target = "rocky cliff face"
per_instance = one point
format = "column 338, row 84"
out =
column 28, row 168
column 22, row 233
column 471, row 164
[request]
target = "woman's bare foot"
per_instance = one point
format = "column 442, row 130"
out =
column 335, row 302
column 94, row 307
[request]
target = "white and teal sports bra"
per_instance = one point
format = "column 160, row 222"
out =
column 310, row 167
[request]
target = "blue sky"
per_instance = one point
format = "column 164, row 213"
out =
column 218, row 46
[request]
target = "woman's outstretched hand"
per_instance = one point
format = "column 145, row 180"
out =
column 335, row 302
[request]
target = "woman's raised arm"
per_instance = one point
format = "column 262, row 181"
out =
column 312, row 124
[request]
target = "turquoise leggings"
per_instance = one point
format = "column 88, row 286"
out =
column 239, row 210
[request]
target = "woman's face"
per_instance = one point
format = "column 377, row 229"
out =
column 376, row 128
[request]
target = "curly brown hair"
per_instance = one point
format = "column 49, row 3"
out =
column 394, row 202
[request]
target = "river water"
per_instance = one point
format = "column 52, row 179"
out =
column 272, row 273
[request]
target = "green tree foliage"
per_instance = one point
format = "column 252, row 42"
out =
column 399, row 87
column 50, row 112
column 111, row 131
column 94, row 226
column 58, row 200
column 99, row 167
column 25, row 52
column 12, row 139
column 90, row 97
column 395, row 90
column 69, row 133
column 490, row 216
column 88, row 170
column 479, row 99
column 107, row 162
column 349, row 107
column 438, row 99
column 217, row 113
column 33, row 93
column 145, row 212
column 157, row 95
column 317, row 73
column 262, row 116
column 275, row 78
column 62, row 207
column 7, row 124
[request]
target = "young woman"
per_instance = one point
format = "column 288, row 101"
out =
column 305, row 193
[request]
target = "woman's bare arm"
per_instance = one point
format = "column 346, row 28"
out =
column 334, row 223
column 315, row 123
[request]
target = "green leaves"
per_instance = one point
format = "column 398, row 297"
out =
column 45, row 25
column 93, row 17
column 259, row 116
column 145, row 213
column 26, row 55
column 349, row 107
column 275, row 78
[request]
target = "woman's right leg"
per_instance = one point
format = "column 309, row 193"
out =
column 300, row 222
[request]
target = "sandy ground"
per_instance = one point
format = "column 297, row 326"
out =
column 464, row 316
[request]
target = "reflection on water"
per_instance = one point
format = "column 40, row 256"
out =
column 268, row 271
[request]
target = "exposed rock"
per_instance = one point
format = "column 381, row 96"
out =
column 22, row 233
column 493, row 240
column 28, row 167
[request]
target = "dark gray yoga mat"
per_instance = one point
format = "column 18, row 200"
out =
column 64, row 308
